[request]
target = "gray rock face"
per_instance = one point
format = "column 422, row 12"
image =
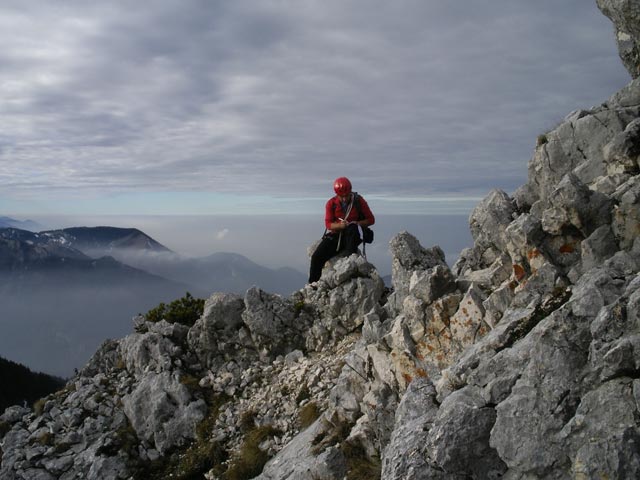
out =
column 625, row 15
column 489, row 219
column 163, row 412
column 408, row 256
column 299, row 462
column 458, row 440
column 536, row 395
column 221, row 320
column 621, row 153
column 626, row 219
column 344, row 295
column 272, row 323
column 516, row 433
column 540, row 379
column 573, row 205
column 406, row 455
column 576, row 146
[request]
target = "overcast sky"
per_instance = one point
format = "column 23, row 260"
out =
column 256, row 106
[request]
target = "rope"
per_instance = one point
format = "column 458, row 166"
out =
column 345, row 217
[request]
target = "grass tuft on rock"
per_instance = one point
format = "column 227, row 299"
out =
column 38, row 406
column 359, row 465
column 308, row 414
column 335, row 433
column 250, row 460
column 247, row 421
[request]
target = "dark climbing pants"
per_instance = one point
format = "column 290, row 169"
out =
column 332, row 245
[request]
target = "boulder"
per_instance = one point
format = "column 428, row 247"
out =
column 489, row 219
column 272, row 322
column 408, row 256
column 163, row 412
column 574, row 205
column 148, row 352
column 548, row 390
column 429, row 285
column 348, row 290
column 220, row 321
column 458, row 440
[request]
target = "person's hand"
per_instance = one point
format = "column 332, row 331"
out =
column 341, row 224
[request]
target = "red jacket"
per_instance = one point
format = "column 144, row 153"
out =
column 334, row 212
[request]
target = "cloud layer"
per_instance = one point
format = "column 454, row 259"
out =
column 276, row 98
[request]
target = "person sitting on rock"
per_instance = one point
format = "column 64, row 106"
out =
column 344, row 214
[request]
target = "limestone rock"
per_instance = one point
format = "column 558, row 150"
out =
column 489, row 219
column 405, row 456
column 432, row 284
column 626, row 220
column 163, row 412
column 497, row 303
column 272, row 321
column 458, row 440
column 625, row 15
column 575, row 147
column 573, row 205
column 149, row 352
column 499, row 271
column 599, row 246
column 299, row 462
column 549, row 373
column 621, row 153
column 348, row 290
column 221, row 320
column 408, row 256
column 467, row 325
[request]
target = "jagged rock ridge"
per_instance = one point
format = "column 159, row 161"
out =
column 521, row 362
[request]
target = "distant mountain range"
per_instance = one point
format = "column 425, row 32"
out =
column 221, row 271
column 8, row 222
column 62, row 292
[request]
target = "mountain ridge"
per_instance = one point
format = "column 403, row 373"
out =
column 105, row 238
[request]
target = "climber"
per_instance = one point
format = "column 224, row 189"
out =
column 345, row 214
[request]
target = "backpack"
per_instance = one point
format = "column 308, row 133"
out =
column 367, row 233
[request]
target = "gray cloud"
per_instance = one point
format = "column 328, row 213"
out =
column 409, row 97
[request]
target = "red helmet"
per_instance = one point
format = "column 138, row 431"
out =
column 342, row 186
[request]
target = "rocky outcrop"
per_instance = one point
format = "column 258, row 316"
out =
column 522, row 361
column 625, row 15
column 262, row 363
